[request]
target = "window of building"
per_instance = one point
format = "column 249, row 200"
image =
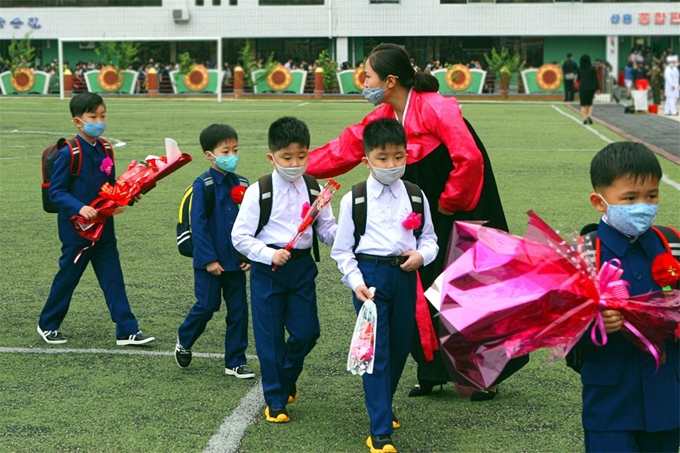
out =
column 200, row 2
column 233, row 2
column 384, row 1
column 77, row 3
column 217, row 2
column 289, row 2
column 449, row 2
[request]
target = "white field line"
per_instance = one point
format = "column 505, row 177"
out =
column 303, row 104
column 149, row 352
column 664, row 178
column 228, row 438
column 116, row 143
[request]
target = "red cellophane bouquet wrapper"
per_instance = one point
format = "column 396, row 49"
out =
column 310, row 213
column 506, row 296
column 362, row 349
column 139, row 178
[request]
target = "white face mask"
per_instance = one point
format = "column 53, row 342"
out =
column 289, row 174
column 387, row 176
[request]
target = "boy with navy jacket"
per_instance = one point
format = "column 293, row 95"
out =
column 218, row 271
column 72, row 195
column 628, row 406
column 285, row 298
column 385, row 257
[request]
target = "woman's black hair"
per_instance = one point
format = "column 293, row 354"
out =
column 391, row 59
column 623, row 159
column 584, row 62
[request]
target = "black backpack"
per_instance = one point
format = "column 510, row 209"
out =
column 266, row 197
column 589, row 240
column 359, row 211
column 49, row 154
column 185, row 243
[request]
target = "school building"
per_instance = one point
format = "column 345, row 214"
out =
column 451, row 31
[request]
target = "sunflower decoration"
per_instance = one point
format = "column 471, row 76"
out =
column 22, row 80
column 458, row 77
column 549, row 77
column 197, row 79
column 280, row 78
column 359, row 78
column 110, row 78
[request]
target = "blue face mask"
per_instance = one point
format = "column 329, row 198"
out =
column 374, row 95
column 226, row 163
column 94, row 128
column 631, row 219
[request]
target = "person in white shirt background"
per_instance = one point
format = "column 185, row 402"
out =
column 385, row 257
column 671, row 88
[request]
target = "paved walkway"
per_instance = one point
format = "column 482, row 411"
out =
column 663, row 132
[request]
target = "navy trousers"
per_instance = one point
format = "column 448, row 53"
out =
column 632, row 441
column 106, row 264
column 395, row 299
column 209, row 290
column 282, row 301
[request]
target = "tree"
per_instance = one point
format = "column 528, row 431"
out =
column 21, row 54
column 330, row 69
column 504, row 65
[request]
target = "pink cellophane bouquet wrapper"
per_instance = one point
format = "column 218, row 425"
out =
column 362, row 349
column 138, row 178
column 506, row 296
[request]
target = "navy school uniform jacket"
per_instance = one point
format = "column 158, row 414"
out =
column 84, row 191
column 212, row 235
column 621, row 388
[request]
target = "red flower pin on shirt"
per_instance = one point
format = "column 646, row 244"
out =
column 305, row 209
column 665, row 270
column 237, row 194
column 413, row 221
column 106, row 166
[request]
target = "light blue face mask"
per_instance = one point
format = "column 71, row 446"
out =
column 631, row 219
column 226, row 163
column 375, row 95
column 94, row 128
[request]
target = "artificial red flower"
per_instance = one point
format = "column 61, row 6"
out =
column 665, row 270
column 106, row 166
column 305, row 209
column 237, row 194
column 413, row 221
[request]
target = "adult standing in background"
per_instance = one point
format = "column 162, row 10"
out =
column 589, row 84
column 446, row 160
column 569, row 68
column 671, row 87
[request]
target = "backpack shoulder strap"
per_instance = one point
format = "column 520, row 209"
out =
column 313, row 189
column 208, row 192
column 266, row 194
column 108, row 149
column 416, row 197
column 670, row 238
column 359, row 212
column 589, row 246
column 243, row 181
column 76, row 156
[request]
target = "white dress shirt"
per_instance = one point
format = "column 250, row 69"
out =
column 285, row 218
column 386, row 208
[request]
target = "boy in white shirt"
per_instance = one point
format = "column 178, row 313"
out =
column 286, row 298
column 385, row 256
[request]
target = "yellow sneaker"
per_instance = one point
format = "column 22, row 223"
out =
column 381, row 444
column 293, row 396
column 276, row 415
column 395, row 423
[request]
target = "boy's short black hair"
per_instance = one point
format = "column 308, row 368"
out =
column 382, row 132
column 215, row 134
column 623, row 159
column 287, row 130
column 84, row 102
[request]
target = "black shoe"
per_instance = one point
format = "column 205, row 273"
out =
column 276, row 415
column 135, row 339
column 241, row 372
column 585, row 122
column 52, row 336
column 590, row 120
column 486, row 395
column 182, row 356
column 424, row 388
column 381, row 444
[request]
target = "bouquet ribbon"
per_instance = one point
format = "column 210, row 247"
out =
column 428, row 338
